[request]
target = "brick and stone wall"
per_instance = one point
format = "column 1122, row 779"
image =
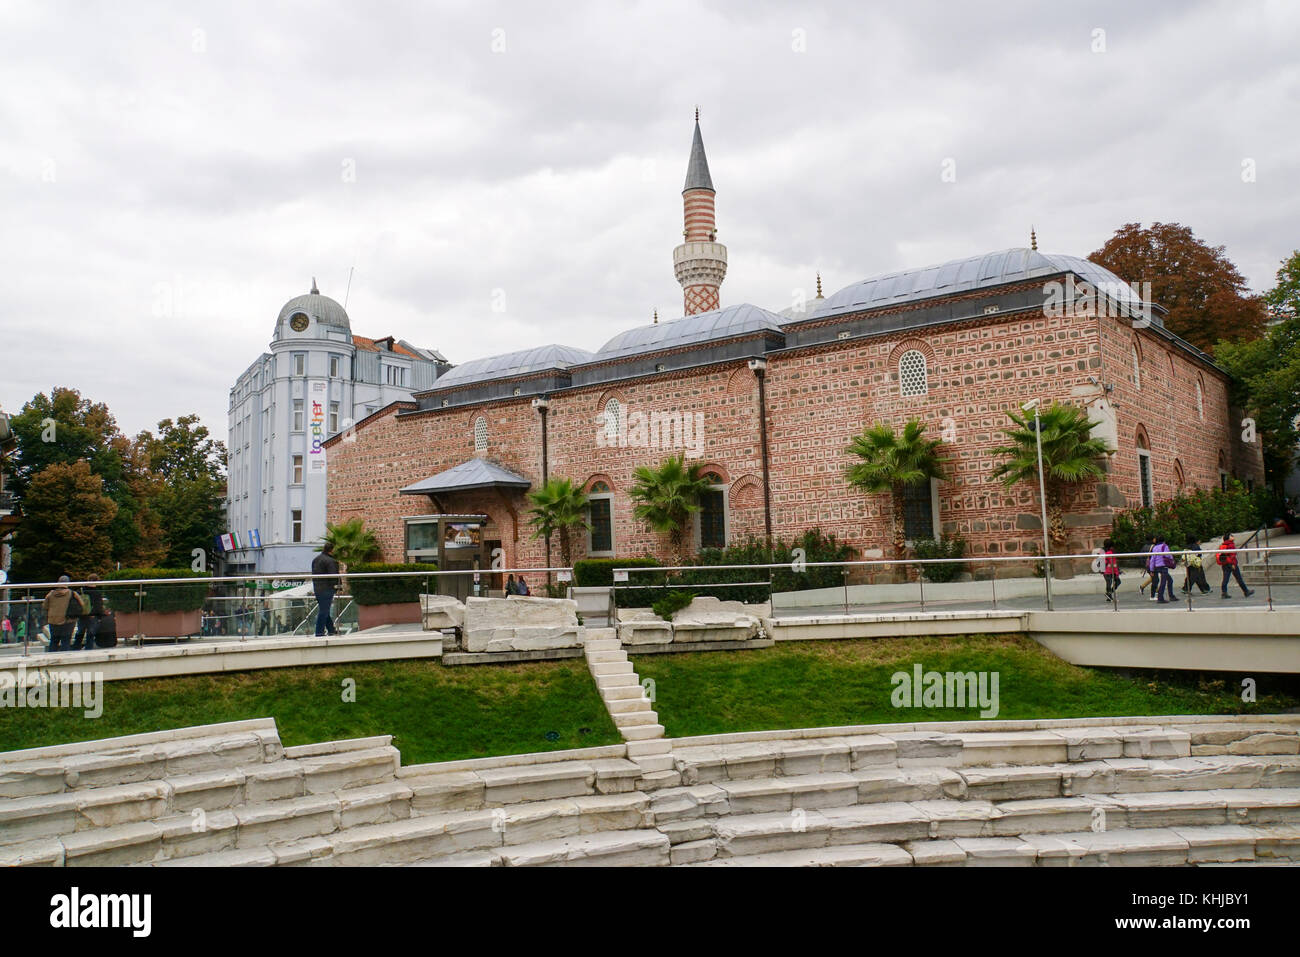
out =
column 818, row 399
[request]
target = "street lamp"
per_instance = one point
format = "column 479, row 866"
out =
column 758, row 366
column 543, row 404
column 1032, row 405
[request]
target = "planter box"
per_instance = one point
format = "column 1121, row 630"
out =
column 393, row 613
column 158, row 624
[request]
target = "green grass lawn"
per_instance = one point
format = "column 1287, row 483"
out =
column 823, row 683
column 434, row 713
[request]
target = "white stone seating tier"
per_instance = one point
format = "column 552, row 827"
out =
column 520, row 623
column 1135, row 791
column 704, row 619
column 641, row 626
column 442, row 611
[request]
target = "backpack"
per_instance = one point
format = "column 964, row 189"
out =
column 76, row 606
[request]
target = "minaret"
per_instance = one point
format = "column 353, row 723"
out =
column 700, row 262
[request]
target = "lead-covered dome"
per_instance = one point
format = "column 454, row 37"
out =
column 704, row 327
column 964, row 275
column 523, row 362
column 319, row 309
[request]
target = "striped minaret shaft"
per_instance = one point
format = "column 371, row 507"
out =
column 700, row 262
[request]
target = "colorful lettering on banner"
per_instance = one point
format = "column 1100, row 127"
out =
column 319, row 399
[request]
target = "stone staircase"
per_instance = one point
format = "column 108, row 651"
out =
column 1279, row 573
column 1140, row 791
column 629, row 706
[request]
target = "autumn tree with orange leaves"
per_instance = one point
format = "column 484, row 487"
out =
column 1206, row 296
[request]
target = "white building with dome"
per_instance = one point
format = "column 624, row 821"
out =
column 317, row 380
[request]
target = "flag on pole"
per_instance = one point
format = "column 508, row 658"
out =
column 255, row 538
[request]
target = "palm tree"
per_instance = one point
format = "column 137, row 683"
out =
column 889, row 462
column 667, row 496
column 353, row 542
column 1070, row 454
column 559, row 506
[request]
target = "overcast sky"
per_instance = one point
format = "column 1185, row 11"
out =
column 171, row 174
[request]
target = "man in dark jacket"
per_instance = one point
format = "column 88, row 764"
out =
column 92, row 615
column 325, row 564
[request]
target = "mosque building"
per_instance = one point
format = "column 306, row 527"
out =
column 768, row 403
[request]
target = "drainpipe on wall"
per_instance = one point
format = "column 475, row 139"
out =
column 759, row 368
column 542, row 404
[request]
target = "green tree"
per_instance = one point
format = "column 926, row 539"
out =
column 353, row 542
column 1266, row 374
column 1206, row 296
column 558, row 508
column 188, row 466
column 667, row 496
column 63, row 428
column 888, row 462
column 66, row 517
column 1070, row 454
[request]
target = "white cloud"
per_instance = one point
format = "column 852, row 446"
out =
column 145, row 162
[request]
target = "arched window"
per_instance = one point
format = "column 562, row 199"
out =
column 480, row 435
column 1200, row 400
column 600, row 509
column 1180, row 481
column 711, row 519
column 1137, row 367
column 613, row 419
column 912, row 373
column 1144, row 470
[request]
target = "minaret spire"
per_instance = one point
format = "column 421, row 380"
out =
column 314, row 290
column 700, row 262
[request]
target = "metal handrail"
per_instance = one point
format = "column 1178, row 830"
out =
column 215, row 579
column 989, row 559
column 846, row 566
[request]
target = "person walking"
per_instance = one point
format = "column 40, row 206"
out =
column 511, row 587
column 1161, row 561
column 6, row 630
column 1226, row 556
column 325, row 565
column 1148, row 576
column 1194, row 562
column 1110, row 568
column 92, row 615
column 61, row 609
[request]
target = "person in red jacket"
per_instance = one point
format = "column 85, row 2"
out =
column 1110, row 568
column 1226, row 556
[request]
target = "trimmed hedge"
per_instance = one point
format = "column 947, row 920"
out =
column 388, row 591
column 735, row 584
column 599, row 572
column 162, row 598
